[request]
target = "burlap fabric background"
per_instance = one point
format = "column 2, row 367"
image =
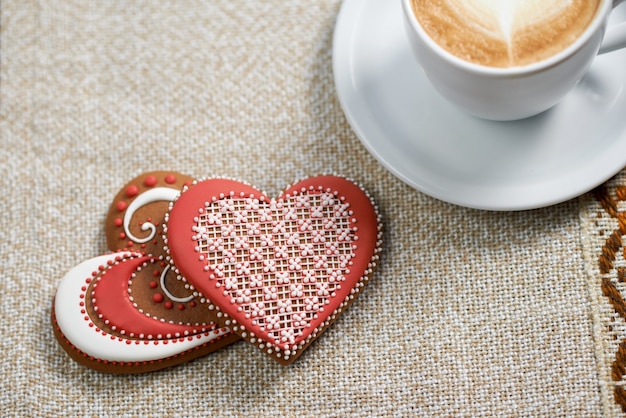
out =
column 469, row 313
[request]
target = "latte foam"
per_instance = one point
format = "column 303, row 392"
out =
column 504, row 33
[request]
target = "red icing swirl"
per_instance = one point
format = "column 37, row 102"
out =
column 111, row 300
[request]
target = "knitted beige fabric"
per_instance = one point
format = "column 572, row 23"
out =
column 469, row 313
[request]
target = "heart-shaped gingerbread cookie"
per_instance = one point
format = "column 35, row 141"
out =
column 127, row 312
column 279, row 270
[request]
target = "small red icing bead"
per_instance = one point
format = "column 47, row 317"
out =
column 192, row 304
column 118, row 222
column 122, row 235
column 153, row 284
column 170, row 179
column 150, row 181
column 181, row 307
column 157, row 297
column 168, row 305
column 132, row 190
column 121, row 206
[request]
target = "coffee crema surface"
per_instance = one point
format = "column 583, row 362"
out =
column 504, row 33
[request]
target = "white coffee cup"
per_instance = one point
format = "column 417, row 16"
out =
column 516, row 92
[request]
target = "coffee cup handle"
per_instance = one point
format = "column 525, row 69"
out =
column 615, row 36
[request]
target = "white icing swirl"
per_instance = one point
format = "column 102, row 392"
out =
column 154, row 195
column 168, row 293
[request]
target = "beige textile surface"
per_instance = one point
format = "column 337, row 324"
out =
column 470, row 312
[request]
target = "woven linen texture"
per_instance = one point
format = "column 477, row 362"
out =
column 469, row 313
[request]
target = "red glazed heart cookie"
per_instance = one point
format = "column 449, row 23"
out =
column 97, row 323
column 281, row 270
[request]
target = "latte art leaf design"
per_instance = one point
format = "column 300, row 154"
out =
column 504, row 33
column 503, row 18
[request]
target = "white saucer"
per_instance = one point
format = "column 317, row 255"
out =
column 439, row 150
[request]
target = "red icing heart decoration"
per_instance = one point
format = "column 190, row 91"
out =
column 281, row 270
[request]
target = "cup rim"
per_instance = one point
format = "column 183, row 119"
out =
column 603, row 8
